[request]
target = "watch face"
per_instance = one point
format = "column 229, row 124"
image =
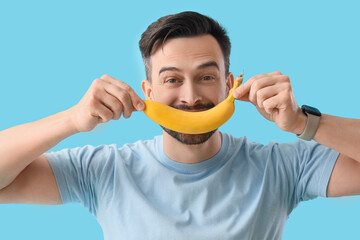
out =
column 311, row 110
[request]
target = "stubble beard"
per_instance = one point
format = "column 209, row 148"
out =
column 191, row 139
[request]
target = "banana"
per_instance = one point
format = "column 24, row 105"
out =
column 192, row 122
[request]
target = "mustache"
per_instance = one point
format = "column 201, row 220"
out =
column 200, row 106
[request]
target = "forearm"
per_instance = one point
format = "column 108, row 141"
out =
column 339, row 134
column 20, row 145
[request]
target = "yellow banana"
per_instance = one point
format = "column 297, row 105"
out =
column 192, row 122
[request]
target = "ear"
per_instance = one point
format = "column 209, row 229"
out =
column 229, row 83
column 147, row 89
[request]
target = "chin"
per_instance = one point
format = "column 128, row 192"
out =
column 190, row 139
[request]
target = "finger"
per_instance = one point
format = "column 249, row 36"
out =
column 275, row 80
column 275, row 73
column 244, row 98
column 269, row 105
column 137, row 102
column 243, row 89
column 259, row 84
column 102, row 112
column 270, row 91
column 113, row 104
column 241, row 98
column 108, row 78
column 264, row 75
column 265, row 93
column 277, row 102
column 122, row 96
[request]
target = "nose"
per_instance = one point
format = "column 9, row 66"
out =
column 190, row 94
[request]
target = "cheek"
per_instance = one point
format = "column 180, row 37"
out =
column 215, row 94
column 165, row 96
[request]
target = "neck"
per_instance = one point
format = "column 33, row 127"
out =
column 189, row 154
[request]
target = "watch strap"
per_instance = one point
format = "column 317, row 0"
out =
column 311, row 127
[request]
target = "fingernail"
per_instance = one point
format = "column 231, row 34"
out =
column 140, row 106
column 236, row 94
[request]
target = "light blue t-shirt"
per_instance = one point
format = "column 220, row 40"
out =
column 246, row 191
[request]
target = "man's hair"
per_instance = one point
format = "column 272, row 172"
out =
column 183, row 24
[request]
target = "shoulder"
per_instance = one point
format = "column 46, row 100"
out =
column 141, row 147
column 244, row 146
column 90, row 155
column 248, row 150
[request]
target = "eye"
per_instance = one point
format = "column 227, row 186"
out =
column 208, row 78
column 172, row 80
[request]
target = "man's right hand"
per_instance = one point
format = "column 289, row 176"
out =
column 106, row 99
column 25, row 174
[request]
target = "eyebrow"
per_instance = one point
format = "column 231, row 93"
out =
column 164, row 69
column 201, row 66
column 209, row 64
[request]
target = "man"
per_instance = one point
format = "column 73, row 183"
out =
column 181, row 186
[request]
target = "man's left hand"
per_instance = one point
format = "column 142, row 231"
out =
column 273, row 97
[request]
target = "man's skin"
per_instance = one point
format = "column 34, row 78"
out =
column 190, row 85
column 26, row 176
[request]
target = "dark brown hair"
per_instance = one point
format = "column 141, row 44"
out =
column 183, row 24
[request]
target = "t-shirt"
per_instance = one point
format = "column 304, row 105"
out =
column 246, row 191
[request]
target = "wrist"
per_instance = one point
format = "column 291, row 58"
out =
column 300, row 123
column 312, row 123
column 69, row 122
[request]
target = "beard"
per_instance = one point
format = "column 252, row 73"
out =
column 191, row 139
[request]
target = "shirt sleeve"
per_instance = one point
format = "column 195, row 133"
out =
column 80, row 171
column 305, row 168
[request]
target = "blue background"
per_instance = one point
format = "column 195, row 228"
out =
column 51, row 51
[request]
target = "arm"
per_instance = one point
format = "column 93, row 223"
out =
column 25, row 174
column 340, row 134
column 21, row 146
column 343, row 136
column 273, row 97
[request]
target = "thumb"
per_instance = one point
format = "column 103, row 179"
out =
column 243, row 91
column 137, row 102
column 241, row 94
column 140, row 105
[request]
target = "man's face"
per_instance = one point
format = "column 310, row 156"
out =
column 188, row 73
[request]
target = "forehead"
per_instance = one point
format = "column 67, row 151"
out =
column 186, row 53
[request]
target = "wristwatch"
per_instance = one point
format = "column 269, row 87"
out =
column 312, row 124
